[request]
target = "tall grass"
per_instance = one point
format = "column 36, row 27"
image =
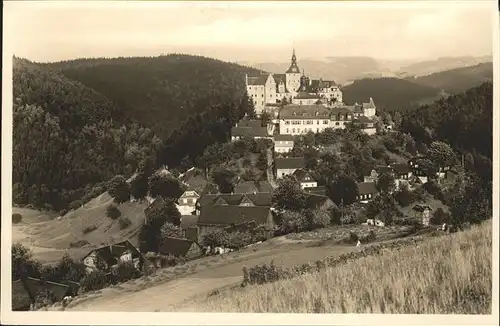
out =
column 445, row 275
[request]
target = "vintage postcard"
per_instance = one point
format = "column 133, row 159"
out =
column 241, row 162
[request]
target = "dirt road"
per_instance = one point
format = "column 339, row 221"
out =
column 228, row 272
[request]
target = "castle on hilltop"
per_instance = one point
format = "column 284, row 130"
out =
column 268, row 91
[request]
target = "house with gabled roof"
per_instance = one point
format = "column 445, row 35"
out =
column 252, row 129
column 216, row 217
column 423, row 212
column 319, row 202
column 186, row 204
column 305, row 179
column 250, row 187
column 366, row 124
column 319, row 190
column 283, row 143
column 106, row 257
column 179, row 247
column 253, row 199
column 366, row 191
column 35, row 286
column 288, row 165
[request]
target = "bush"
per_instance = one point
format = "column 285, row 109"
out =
column 319, row 219
column 125, row 271
column 171, row 260
column 89, row 229
column 75, row 204
column 95, row 281
column 113, row 212
column 353, row 237
column 44, row 298
column 48, row 207
column 63, row 212
column 433, row 188
column 404, row 197
column 16, row 218
column 237, row 240
column 124, row 222
column 439, row 217
column 78, row 243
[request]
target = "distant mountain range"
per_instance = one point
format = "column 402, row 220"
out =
column 344, row 70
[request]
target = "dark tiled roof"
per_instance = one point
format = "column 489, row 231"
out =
column 229, row 214
column 248, row 187
column 259, row 199
column 175, row 246
column 249, row 131
column 241, row 226
column 290, row 162
column 306, row 95
column 283, row 138
column 340, row 110
column 363, row 119
column 303, row 176
column 249, row 123
column 35, row 286
column 383, row 169
column 279, row 77
column 21, row 299
column 294, row 69
column 316, row 201
column 313, row 111
column 157, row 203
column 365, row 188
column 188, row 221
column 111, row 253
column 401, row 168
column 259, row 80
column 320, row 190
column 421, row 208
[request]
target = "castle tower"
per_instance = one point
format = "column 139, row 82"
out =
column 293, row 76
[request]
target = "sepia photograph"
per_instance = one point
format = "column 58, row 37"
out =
column 291, row 157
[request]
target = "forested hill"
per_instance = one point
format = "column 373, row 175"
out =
column 68, row 138
column 458, row 80
column 465, row 121
column 391, row 94
column 161, row 92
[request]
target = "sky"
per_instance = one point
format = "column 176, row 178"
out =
column 248, row 31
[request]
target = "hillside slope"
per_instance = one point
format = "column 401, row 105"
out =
column 458, row 80
column 458, row 280
column 388, row 93
column 428, row 67
column 68, row 138
column 160, row 92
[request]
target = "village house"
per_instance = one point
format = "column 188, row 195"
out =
column 187, row 202
column 402, row 174
column 319, row 202
column 219, row 217
column 283, row 143
column 189, row 227
column 105, row 258
column 366, row 124
column 183, row 248
column 377, row 171
column 250, row 187
column 423, row 213
column 305, row 179
column 253, row 199
column 417, row 170
column 374, row 222
column 252, row 129
column 366, row 191
column 339, row 117
column 288, row 165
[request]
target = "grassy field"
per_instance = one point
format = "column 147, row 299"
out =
column 50, row 236
column 444, row 275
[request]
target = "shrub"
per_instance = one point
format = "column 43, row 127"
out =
column 171, row 260
column 319, row 219
column 124, row 222
column 63, row 212
column 433, row 188
column 75, row 204
column 404, row 197
column 353, row 237
column 113, row 212
column 48, row 207
column 119, row 189
column 94, row 281
column 89, row 229
column 237, row 240
column 125, row 271
column 16, row 218
column 44, row 298
column 78, row 244
column 440, row 217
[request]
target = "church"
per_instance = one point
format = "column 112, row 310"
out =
column 269, row 91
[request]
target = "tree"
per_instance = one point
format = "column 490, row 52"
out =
column 404, row 196
column 23, row 263
column 292, row 221
column 224, row 179
column 289, row 195
column 383, row 208
column 386, row 183
column 119, row 189
column 427, row 167
column 215, row 238
column 473, row 203
column 397, row 119
column 113, row 212
column 139, row 185
column 318, row 218
column 170, row 230
column 265, row 118
column 165, row 185
column 343, row 188
column 441, row 154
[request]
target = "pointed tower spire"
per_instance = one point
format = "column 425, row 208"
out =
column 293, row 66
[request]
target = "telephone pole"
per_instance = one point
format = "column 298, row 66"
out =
column 342, row 211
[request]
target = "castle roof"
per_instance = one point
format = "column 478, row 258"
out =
column 314, row 111
column 258, row 80
column 306, row 95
